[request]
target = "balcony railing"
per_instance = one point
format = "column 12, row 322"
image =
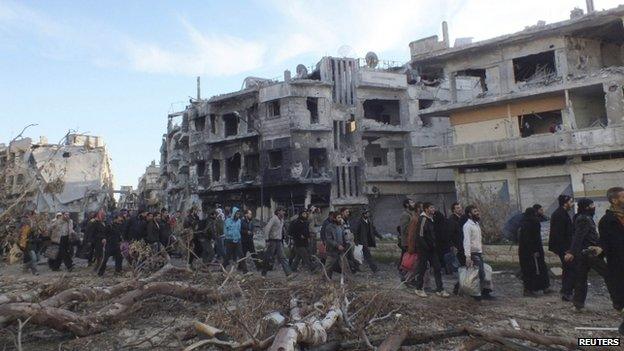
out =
column 565, row 143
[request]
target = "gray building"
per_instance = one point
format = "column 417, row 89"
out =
column 347, row 132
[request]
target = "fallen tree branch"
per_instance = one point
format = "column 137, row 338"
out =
column 310, row 332
column 67, row 321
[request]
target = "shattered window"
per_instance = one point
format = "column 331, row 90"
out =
column 540, row 123
column 216, row 170
column 312, row 104
column 383, row 111
column 200, row 123
column 213, row 123
column 233, row 168
column 201, row 168
column 273, row 108
column 535, row 68
column 275, row 159
column 231, row 124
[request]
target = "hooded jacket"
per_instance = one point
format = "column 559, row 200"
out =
column 233, row 227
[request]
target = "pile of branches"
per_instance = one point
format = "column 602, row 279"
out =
column 241, row 312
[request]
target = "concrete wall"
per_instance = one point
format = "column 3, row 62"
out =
column 543, row 184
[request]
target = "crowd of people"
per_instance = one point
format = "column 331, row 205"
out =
column 430, row 243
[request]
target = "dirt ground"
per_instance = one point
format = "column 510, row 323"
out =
column 161, row 320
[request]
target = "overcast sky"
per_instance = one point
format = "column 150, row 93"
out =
column 116, row 68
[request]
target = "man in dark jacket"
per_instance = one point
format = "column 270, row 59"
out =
column 531, row 253
column 559, row 241
column 96, row 231
column 427, row 251
column 111, row 243
column 585, row 252
column 152, row 232
column 299, row 232
column 247, row 235
column 455, row 233
column 365, row 232
column 611, row 227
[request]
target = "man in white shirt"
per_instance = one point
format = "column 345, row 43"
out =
column 473, row 247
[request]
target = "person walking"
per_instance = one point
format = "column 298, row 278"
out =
column 247, row 237
column 233, row 247
column 473, row 248
column 365, row 233
column 219, row 226
column 61, row 230
column 152, row 232
column 611, row 227
column 274, row 235
column 206, row 234
column 586, row 253
column 560, row 240
column 454, row 227
column 334, row 240
column 299, row 232
column 531, row 254
column 112, row 244
column 96, row 231
column 426, row 249
column 27, row 243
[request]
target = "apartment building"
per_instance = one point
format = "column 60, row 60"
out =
column 547, row 115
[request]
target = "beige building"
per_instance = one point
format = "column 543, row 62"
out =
column 547, row 116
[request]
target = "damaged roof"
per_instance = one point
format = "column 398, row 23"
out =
column 587, row 21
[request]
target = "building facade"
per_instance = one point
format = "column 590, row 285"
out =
column 149, row 189
column 344, row 133
column 547, row 116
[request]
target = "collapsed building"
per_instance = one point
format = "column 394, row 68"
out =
column 128, row 197
column 74, row 176
column 546, row 116
column 346, row 132
column 149, row 190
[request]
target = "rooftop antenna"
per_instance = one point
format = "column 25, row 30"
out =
column 198, row 89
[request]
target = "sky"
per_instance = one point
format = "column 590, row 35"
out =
column 117, row 68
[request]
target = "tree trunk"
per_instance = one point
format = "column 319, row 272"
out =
column 312, row 332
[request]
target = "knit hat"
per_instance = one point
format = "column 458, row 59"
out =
column 584, row 203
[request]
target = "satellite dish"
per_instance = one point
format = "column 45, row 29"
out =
column 346, row 51
column 302, row 71
column 371, row 59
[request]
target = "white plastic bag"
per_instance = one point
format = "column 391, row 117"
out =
column 487, row 284
column 469, row 281
column 358, row 253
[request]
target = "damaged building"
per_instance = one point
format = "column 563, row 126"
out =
column 74, row 176
column 149, row 190
column 346, row 132
column 545, row 116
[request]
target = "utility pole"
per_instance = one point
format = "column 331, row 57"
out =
column 198, row 89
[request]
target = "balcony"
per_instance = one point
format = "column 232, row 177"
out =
column 565, row 143
column 373, row 126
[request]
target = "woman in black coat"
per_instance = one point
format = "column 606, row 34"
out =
column 531, row 253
